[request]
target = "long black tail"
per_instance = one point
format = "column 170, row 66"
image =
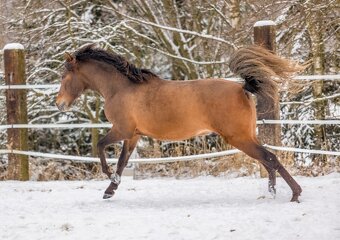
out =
column 262, row 70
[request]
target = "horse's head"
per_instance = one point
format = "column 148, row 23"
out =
column 71, row 84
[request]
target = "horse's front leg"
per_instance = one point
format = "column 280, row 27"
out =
column 109, row 139
column 128, row 148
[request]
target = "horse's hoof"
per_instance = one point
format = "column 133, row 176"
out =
column 296, row 194
column 295, row 198
column 108, row 195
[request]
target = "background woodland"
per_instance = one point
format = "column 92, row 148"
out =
column 181, row 40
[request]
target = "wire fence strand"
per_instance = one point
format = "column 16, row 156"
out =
column 56, row 86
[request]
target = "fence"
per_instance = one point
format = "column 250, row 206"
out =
column 158, row 160
column 17, row 124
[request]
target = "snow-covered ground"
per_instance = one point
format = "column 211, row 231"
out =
column 200, row 208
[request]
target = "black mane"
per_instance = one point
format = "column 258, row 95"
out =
column 134, row 74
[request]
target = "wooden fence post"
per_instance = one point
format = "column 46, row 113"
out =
column 14, row 59
column 264, row 35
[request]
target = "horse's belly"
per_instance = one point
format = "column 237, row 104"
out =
column 174, row 134
column 203, row 132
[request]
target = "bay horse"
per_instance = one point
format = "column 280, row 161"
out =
column 138, row 102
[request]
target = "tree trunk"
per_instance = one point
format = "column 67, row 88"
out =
column 95, row 131
column 264, row 35
column 318, row 50
column 235, row 15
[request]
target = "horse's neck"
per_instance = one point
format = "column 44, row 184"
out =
column 107, row 85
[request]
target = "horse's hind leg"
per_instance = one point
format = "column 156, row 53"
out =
column 295, row 187
column 251, row 149
column 271, row 163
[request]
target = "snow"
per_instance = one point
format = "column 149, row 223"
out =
column 200, row 208
column 13, row 46
column 264, row 23
column 88, row 16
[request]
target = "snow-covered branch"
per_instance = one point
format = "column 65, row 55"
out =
column 202, row 35
column 187, row 59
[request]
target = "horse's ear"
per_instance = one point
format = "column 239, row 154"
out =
column 68, row 57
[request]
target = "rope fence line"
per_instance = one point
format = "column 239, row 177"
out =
column 292, row 122
column 109, row 125
column 161, row 160
column 308, row 102
column 74, row 125
column 35, row 86
column 115, row 160
column 318, row 77
column 299, row 150
column 301, row 77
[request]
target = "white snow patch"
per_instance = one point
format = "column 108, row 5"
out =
column 200, row 208
column 264, row 23
column 13, row 46
column 88, row 16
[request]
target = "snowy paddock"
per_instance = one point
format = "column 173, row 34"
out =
column 200, row 208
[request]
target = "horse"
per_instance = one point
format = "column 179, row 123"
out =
column 138, row 102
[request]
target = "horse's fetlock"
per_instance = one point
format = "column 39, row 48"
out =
column 115, row 178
